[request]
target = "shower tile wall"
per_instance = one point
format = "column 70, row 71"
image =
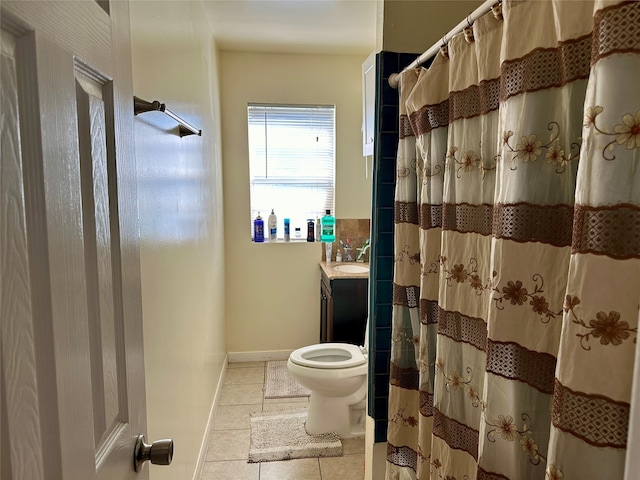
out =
column 382, row 227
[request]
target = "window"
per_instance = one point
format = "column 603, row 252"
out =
column 291, row 162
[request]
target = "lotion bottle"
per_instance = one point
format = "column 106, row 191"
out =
column 273, row 227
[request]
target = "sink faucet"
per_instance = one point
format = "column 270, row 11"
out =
column 363, row 251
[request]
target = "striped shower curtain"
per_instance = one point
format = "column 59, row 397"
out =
column 517, row 248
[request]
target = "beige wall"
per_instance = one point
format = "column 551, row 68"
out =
column 181, row 225
column 413, row 26
column 272, row 290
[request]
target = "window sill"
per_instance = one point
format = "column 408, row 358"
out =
column 281, row 241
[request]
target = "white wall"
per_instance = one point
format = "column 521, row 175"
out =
column 272, row 296
column 181, row 222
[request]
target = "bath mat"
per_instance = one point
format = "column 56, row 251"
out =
column 280, row 435
column 280, row 384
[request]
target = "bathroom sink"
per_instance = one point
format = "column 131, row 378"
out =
column 351, row 268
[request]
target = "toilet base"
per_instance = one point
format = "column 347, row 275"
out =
column 333, row 414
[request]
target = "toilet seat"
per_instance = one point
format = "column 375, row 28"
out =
column 329, row 356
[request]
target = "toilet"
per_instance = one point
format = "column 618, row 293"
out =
column 336, row 374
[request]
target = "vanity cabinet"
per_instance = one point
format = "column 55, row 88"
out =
column 343, row 309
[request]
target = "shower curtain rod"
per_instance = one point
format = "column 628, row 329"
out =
column 394, row 78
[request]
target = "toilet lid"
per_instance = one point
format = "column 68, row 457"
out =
column 329, row 356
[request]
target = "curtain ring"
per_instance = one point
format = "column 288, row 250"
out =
column 444, row 49
column 468, row 34
column 497, row 11
column 468, row 31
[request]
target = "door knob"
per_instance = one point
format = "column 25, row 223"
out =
column 159, row 452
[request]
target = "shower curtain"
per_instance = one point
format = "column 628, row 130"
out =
column 517, row 248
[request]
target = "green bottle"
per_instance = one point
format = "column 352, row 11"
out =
column 328, row 228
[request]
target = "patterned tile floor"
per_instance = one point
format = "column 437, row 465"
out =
column 242, row 394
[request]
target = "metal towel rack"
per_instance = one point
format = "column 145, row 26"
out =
column 142, row 106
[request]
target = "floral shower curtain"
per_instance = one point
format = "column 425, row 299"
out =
column 517, row 236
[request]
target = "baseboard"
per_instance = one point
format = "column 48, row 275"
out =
column 197, row 474
column 240, row 357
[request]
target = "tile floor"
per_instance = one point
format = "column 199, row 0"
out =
column 242, row 394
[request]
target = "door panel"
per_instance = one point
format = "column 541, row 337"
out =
column 79, row 230
column 19, row 401
column 105, row 320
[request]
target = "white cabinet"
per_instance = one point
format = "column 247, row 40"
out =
column 368, row 104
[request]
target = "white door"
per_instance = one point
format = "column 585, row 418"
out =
column 72, row 396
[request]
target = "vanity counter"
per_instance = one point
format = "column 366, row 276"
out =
column 329, row 271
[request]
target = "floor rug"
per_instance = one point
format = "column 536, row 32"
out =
column 280, row 384
column 280, row 435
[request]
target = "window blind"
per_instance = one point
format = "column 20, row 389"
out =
column 291, row 162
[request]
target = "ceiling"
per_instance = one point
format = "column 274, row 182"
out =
column 345, row 27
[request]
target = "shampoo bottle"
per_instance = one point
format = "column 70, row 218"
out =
column 258, row 229
column 328, row 228
column 273, row 227
column 311, row 230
